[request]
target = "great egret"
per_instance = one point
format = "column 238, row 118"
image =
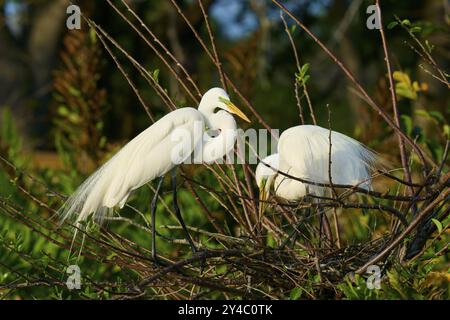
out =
column 304, row 152
column 150, row 155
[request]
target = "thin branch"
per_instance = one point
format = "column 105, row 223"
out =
column 372, row 103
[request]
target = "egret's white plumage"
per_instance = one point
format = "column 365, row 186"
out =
column 151, row 155
column 303, row 152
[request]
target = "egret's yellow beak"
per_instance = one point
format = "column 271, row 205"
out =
column 263, row 196
column 235, row 110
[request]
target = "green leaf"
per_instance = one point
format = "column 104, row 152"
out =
column 392, row 25
column 447, row 131
column 406, row 22
column 155, row 75
column 62, row 110
column 302, row 77
column 305, row 79
column 407, row 123
column 437, row 116
column 93, row 35
column 304, row 69
column 295, row 294
column 415, row 30
column 73, row 91
column 438, row 224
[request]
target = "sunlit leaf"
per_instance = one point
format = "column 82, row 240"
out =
column 438, row 224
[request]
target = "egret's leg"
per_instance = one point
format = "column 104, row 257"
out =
column 178, row 213
column 153, row 210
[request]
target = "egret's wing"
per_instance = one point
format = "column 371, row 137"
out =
column 146, row 157
column 306, row 149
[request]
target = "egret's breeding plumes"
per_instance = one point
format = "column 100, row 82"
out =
column 304, row 152
column 155, row 152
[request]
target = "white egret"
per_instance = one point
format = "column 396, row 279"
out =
column 304, row 152
column 150, row 155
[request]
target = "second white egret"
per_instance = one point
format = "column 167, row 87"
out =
column 304, row 152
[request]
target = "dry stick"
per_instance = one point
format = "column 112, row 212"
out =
column 33, row 225
column 247, row 172
column 336, row 228
column 244, row 203
column 40, row 224
column 299, row 105
column 336, row 222
column 35, row 180
column 332, row 203
column 429, row 57
column 235, row 214
column 351, row 187
column 247, row 178
column 213, row 191
column 209, row 54
column 218, row 65
column 403, row 156
column 197, row 257
column 147, row 76
column 163, row 47
column 420, row 54
column 213, row 44
column 175, row 74
column 209, row 215
column 298, row 64
column 420, row 216
column 409, row 184
column 432, row 74
column 444, row 158
column 284, row 210
column 130, row 82
column 352, row 78
column 428, row 178
column 379, row 207
column 297, row 61
column 330, row 161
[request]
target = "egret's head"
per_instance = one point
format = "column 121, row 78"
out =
column 265, row 176
column 218, row 98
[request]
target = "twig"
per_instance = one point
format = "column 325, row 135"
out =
column 299, row 66
column 403, row 156
column 420, row 216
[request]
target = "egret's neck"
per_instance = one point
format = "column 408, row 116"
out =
column 215, row 148
column 207, row 110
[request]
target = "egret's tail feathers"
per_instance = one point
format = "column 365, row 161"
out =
column 370, row 162
column 86, row 201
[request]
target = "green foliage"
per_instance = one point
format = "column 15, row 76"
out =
column 407, row 88
column 418, row 281
column 302, row 75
